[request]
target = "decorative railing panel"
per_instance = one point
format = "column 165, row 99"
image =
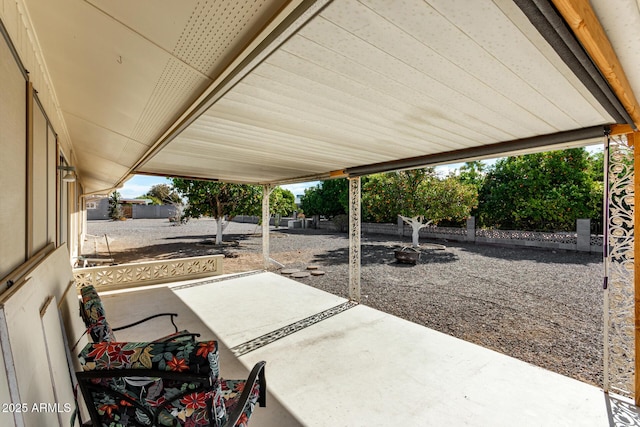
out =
column 533, row 236
column 458, row 231
column 596, row 240
column 148, row 273
column 548, row 240
column 619, row 310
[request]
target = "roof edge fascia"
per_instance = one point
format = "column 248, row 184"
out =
column 485, row 151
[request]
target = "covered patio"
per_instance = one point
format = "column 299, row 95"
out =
column 276, row 92
column 332, row 362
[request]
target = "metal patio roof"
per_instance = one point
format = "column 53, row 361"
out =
column 272, row 91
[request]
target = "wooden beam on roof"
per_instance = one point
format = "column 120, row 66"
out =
column 587, row 28
column 620, row 130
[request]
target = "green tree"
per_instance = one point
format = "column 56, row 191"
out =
column 329, row 198
column 162, row 194
column 542, row 191
column 219, row 200
column 281, row 203
column 115, row 208
column 154, row 200
column 418, row 197
column 596, row 166
column 472, row 173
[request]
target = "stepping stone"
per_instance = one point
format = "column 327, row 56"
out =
column 300, row 274
column 313, row 267
column 317, row 273
column 289, row 271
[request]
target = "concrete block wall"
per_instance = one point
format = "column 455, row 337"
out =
column 101, row 212
column 581, row 240
column 252, row 219
column 374, row 228
column 153, row 211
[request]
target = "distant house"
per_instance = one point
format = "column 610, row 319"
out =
column 135, row 201
column 98, row 207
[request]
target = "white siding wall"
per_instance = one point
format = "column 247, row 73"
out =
column 13, row 162
column 35, row 208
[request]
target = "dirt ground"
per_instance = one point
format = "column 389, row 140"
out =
column 543, row 307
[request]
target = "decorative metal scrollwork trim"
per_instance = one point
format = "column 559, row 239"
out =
column 354, row 239
column 619, row 327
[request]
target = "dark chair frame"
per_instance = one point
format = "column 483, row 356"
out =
column 171, row 337
column 172, row 316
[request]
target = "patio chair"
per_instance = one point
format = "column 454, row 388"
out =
column 173, row 383
column 94, row 317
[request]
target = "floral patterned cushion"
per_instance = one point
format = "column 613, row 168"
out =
column 160, row 401
column 92, row 312
column 231, row 390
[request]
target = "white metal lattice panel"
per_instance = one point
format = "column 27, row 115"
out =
column 619, row 327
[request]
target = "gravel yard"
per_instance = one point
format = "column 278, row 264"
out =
column 543, row 307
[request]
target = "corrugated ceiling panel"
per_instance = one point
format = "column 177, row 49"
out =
column 264, row 160
column 94, row 139
column 402, row 58
column 467, row 70
column 510, row 65
column 133, row 149
column 180, row 163
column 209, row 35
column 98, row 175
column 161, row 22
column 401, row 99
column 327, row 128
column 363, row 82
column 177, row 87
column 264, row 145
column 327, row 104
column 374, row 81
column 130, row 69
column 115, row 71
column 216, row 30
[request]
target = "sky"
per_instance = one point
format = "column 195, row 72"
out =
column 140, row 184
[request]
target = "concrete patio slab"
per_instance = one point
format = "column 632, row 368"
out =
column 248, row 305
column 363, row 367
column 128, row 305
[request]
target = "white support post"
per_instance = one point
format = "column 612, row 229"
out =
column 266, row 256
column 354, row 239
